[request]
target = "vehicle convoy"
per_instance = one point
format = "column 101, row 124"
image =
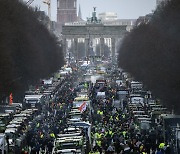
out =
column 73, row 113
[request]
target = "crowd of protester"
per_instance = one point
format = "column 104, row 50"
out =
column 116, row 130
column 52, row 120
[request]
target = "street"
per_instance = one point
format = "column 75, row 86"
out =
column 92, row 110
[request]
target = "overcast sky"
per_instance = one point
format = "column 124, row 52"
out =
column 126, row 9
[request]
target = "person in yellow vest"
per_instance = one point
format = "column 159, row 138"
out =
column 124, row 133
column 98, row 111
column 106, row 133
column 38, row 125
column 41, row 136
column 141, row 148
column 98, row 136
column 161, row 145
column 52, row 135
column 101, row 113
column 117, row 118
column 111, row 118
column 98, row 143
column 111, row 133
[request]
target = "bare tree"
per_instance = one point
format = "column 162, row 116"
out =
column 151, row 53
column 28, row 51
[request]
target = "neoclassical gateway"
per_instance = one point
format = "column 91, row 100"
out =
column 92, row 29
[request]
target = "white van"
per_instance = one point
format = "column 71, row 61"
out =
column 33, row 100
column 68, row 145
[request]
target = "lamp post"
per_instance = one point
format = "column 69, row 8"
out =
column 89, row 39
column 48, row 2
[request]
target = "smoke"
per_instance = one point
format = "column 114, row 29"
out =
column 28, row 51
column 151, row 53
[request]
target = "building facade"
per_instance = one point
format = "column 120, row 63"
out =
column 66, row 12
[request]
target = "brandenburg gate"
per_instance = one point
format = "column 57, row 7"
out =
column 93, row 29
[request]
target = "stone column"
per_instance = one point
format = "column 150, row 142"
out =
column 101, row 46
column 64, row 44
column 86, row 47
column 113, row 45
column 76, row 48
column 97, row 42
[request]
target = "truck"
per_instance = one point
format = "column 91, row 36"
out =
column 33, row 101
column 171, row 130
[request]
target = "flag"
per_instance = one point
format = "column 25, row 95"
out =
column 82, row 107
column 10, row 99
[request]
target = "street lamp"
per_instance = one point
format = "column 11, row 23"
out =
column 48, row 2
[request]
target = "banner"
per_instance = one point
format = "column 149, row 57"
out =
column 10, row 99
column 82, row 107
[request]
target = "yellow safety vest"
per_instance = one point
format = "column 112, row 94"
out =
column 41, row 136
column 99, row 136
column 161, row 145
column 52, row 135
column 98, row 143
column 111, row 118
column 111, row 133
column 96, row 135
column 124, row 133
column 37, row 125
column 141, row 147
